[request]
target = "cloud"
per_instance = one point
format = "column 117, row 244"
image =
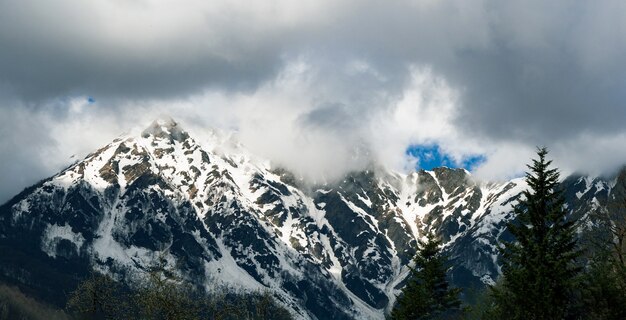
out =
column 319, row 86
column 145, row 49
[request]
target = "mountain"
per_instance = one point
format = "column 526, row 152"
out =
column 221, row 215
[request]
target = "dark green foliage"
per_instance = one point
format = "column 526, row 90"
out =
column 603, row 289
column 427, row 294
column 482, row 305
column 539, row 267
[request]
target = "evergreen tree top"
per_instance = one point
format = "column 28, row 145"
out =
column 427, row 294
column 539, row 266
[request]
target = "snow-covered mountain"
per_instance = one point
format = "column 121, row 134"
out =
column 222, row 215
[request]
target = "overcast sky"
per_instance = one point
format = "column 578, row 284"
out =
column 318, row 86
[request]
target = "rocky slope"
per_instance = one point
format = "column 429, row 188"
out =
column 223, row 216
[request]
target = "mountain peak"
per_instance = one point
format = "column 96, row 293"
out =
column 165, row 127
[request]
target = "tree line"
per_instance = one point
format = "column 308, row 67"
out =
column 165, row 296
column 548, row 272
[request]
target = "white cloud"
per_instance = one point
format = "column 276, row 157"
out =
column 318, row 86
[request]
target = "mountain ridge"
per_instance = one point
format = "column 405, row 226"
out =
column 221, row 214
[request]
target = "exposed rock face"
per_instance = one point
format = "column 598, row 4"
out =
column 335, row 251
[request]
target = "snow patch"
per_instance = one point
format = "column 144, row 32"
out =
column 54, row 233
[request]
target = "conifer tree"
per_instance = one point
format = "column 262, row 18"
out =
column 539, row 266
column 427, row 294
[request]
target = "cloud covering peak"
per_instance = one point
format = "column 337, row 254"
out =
column 319, row 86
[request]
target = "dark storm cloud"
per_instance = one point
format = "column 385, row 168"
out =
column 527, row 70
column 113, row 50
column 543, row 92
column 505, row 75
column 20, row 162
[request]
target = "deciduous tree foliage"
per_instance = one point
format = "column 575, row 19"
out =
column 165, row 296
column 98, row 297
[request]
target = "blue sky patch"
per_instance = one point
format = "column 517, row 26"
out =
column 430, row 157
